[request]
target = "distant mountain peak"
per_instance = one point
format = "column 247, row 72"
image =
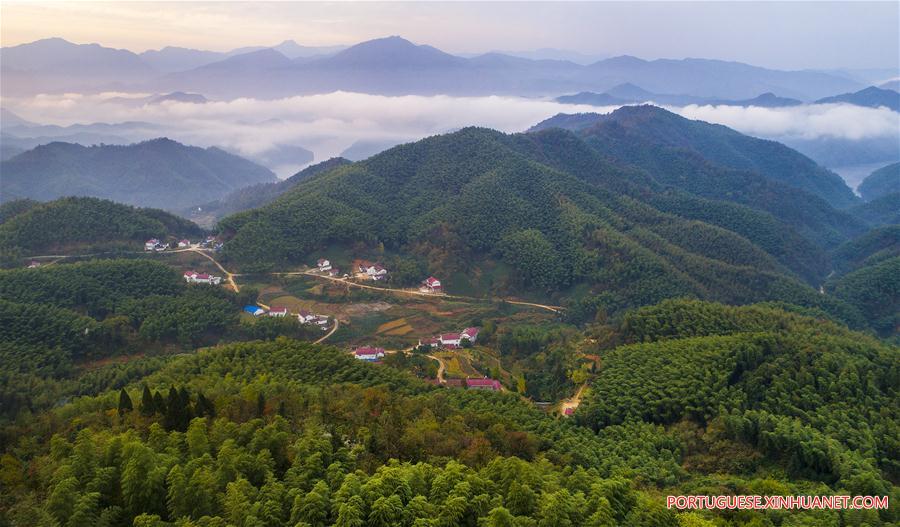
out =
column 392, row 51
column 628, row 90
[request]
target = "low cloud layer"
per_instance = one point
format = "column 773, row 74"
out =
column 841, row 121
column 328, row 124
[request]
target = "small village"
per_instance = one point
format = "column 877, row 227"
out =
column 362, row 271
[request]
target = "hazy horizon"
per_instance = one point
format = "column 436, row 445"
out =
column 778, row 35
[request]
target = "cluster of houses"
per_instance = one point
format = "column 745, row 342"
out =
column 274, row 311
column 431, row 285
column 306, row 317
column 324, row 266
column 154, row 244
column 193, row 277
column 451, row 340
column 209, row 242
column 372, row 271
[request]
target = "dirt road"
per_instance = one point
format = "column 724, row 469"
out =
column 414, row 292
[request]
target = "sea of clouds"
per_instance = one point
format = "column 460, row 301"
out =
column 329, row 123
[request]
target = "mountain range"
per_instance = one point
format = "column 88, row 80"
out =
column 159, row 173
column 388, row 66
column 871, row 97
column 630, row 94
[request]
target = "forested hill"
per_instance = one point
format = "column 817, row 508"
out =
column 713, row 400
column 29, row 227
column 626, row 132
column 160, row 173
column 799, row 391
column 261, row 194
column 460, row 201
column 880, row 183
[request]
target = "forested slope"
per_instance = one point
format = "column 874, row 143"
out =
column 471, row 196
column 634, row 126
column 803, row 392
column 284, row 433
column 88, row 223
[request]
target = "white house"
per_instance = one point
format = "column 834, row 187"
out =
column 470, row 334
column 323, row 265
column 450, row 340
column 151, row 244
column 184, row 244
column 305, row 317
column 376, row 272
column 193, row 277
column 322, row 321
column 368, row 353
column 278, row 311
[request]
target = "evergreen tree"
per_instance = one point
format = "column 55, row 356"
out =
column 148, row 405
column 124, row 403
column 159, row 403
column 260, row 405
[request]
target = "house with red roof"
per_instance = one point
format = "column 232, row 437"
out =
column 483, row 384
column 184, row 244
column 151, row 244
column 450, row 340
column 368, row 353
column 431, row 285
column 470, row 334
column 278, row 311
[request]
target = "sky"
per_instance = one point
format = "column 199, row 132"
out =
column 782, row 35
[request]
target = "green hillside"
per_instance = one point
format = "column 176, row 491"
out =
column 253, row 196
column 87, row 223
column 880, row 183
column 800, row 392
column 285, row 433
column 470, row 196
column 717, row 163
column 874, row 290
